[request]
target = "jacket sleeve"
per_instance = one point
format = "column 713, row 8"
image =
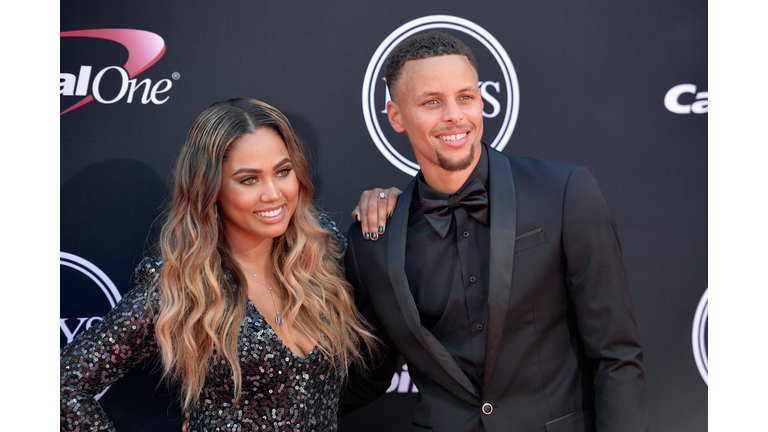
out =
column 365, row 385
column 598, row 287
column 100, row 355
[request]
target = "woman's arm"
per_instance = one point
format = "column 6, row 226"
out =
column 101, row 355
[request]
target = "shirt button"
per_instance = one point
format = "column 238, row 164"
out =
column 472, row 279
column 487, row 408
column 479, row 327
column 465, row 234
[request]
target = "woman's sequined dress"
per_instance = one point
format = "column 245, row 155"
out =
column 281, row 391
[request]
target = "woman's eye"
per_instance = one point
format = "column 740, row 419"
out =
column 284, row 172
column 248, row 180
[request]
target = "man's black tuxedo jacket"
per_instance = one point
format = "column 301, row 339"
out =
column 562, row 351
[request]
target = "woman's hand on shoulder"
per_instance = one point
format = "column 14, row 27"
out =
column 373, row 210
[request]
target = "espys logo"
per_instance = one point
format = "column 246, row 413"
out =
column 85, row 271
column 113, row 83
column 500, row 89
column 699, row 336
column 71, row 326
column 683, row 99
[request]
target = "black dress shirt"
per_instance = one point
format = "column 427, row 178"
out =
column 449, row 277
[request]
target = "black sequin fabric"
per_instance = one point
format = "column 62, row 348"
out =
column 281, row 391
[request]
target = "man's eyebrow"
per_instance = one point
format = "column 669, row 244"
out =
column 439, row 93
column 428, row 93
column 258, row 171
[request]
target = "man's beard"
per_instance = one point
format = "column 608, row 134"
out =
column 457, row 165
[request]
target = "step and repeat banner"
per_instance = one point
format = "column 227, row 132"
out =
column 619, row 87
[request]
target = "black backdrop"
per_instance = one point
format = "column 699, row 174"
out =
column 588, row 85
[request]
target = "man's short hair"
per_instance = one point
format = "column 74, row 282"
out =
column 422, row 46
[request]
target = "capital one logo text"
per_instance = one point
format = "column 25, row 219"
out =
column 401, row 382
column 144, row 50
column 684, row 99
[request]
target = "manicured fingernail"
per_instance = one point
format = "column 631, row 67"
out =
column 374, row 236
column 381, row 230
column 389, row 215
column 367, row 235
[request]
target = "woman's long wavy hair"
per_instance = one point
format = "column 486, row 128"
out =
column 201, row 307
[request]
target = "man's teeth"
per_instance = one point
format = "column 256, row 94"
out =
column 453, row 137
column 272, row 213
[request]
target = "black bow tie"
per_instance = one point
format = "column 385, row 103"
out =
column 473, row 198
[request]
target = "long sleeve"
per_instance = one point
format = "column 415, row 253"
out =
column 101, row 355
column 598, row 287
column 365, row 386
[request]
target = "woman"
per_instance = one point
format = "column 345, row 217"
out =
column 246, row 301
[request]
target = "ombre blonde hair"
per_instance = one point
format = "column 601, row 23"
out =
column 202, row 303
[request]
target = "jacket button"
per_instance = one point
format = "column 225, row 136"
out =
column 487, row 408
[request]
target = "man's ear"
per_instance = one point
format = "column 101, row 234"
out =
column 393, row 114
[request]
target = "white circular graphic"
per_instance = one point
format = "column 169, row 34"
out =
column 698, row 337
column 93, row 272
column 96, row 275
column 418, row 25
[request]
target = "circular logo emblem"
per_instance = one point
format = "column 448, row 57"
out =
column 499, row 87
column 699, row 337
column 94, row 273
column 80, row 309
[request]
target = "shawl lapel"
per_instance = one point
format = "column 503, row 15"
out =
column 448, row 374
column 503, row 221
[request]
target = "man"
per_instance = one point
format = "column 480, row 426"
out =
column 500, row 281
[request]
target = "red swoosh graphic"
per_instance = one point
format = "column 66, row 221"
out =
column 144, row 49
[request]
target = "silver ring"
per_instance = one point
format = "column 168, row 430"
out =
column 382, row 196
